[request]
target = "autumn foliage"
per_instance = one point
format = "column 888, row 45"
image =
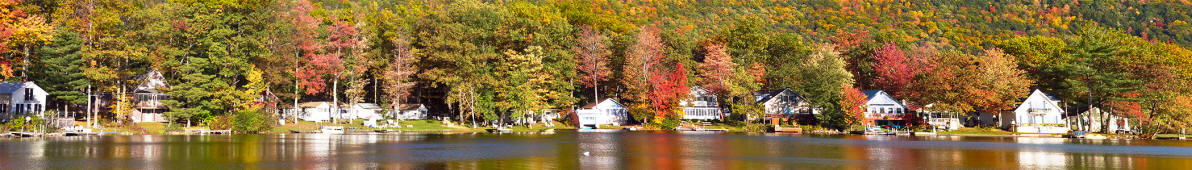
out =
column 852, row 103
column 717, row 69
column 667, row 88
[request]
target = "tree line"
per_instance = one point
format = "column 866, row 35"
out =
column 498, row 61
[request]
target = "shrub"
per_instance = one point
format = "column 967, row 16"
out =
column 19, row 123
column 250, row 122
column 172, row 127
column 219, row 122
column 668, row 122
column 757, row 128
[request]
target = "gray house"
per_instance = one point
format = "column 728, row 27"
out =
column 20, row 99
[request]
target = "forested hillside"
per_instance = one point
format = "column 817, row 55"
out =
column 496, row 61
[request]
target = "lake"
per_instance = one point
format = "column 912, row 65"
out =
column 565, row 150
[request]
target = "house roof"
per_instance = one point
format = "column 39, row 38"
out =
column 871, row 93
column 368, row 105
column 311, row 104
column 593, row 104
column 411, row 106
column 1053, row 100
column 766, row 95
column 150, row 81
column 700, row 91
column 9, row 87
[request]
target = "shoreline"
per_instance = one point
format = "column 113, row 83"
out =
column 11, row 135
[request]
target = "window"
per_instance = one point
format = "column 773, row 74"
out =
column 29, row 94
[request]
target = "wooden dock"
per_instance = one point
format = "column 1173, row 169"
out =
column 795, row 130
column 25, row 134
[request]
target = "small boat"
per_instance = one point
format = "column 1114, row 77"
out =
column 1077, row 134
column 548, row 131
column 332, row 130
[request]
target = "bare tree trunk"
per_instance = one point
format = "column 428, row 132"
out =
column 1105, row 121
column 25, row 65
column 296, row 93
column 335, row 99
column 120, row 101
column 90, row 123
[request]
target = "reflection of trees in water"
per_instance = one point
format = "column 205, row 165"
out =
column 631, row 150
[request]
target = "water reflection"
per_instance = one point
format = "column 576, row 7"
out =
column 564, row 150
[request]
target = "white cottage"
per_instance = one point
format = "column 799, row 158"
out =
column 1039, row 113
column 606, row 112
column 701, row 104
column 883, row 109
column 412, row 111
column 148, row 106
column 315, row 111
column 21, row 98
column 364, row 111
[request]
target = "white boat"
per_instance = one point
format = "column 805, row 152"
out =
column 332, row 130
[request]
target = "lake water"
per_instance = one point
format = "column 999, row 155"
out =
column 565, row 150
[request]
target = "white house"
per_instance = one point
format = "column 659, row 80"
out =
column 147, row 104
column 883, row 109
column 315, row 111
column 701, row 104
column 411, row 111
column 1039, row 113
column 21, row 98
column 364, row 111
column 782, row 103
column 940, row 119
column 606, row 112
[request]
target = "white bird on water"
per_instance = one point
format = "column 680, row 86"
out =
column 586, row 153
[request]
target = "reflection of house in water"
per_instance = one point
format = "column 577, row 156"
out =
column 603, row 150
column 148, row 99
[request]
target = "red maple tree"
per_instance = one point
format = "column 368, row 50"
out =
column 894, row 72
column 667, row 89
column 852, row 102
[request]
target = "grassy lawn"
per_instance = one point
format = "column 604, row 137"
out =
column 308, row 126
column 976, row 131
column 142, row 128
column 1171, row 135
